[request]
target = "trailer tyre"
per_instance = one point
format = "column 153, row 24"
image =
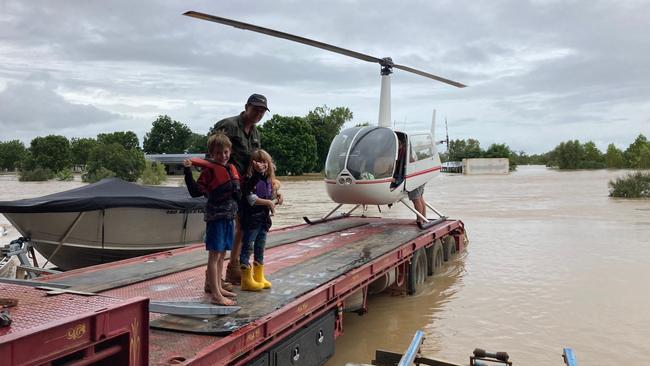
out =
column 417, row 271
column 449, row 247
column 435, row 257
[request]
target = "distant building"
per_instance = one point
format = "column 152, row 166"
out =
column 173, row 162
column 452, row 167
column 486, row 166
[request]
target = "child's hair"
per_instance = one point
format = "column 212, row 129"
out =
column 261, row 155
column 218, row 142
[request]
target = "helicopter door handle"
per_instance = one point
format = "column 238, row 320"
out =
column 321, row 337
column 296, row 354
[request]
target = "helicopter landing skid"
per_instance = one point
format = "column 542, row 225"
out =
column 328, row 218
column 423, row 222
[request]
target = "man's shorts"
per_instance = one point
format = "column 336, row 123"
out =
column 417, row 193
column 219, row 235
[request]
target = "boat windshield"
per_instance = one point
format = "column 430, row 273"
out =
column 338, row 150
column 373, row 154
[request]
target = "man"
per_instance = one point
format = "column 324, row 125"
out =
column 242, row 132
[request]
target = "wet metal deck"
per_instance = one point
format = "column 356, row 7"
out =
column 312, row 269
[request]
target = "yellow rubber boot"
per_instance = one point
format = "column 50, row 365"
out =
column 258, row 275
column 247, row 281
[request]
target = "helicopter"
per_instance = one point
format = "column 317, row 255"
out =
column 370, row 165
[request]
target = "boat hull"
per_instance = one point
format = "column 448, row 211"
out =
column 101, row 236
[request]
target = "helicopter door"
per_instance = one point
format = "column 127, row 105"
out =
column 424, row 162
column 338, row 152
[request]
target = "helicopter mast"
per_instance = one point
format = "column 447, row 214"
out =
column 384, row 98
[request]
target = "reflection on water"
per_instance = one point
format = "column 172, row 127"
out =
column 553, row 262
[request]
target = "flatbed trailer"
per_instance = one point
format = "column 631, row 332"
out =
column 316, row 271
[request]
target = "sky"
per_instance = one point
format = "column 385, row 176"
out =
column 538, row 72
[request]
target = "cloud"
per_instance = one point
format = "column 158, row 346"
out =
column 29, row 107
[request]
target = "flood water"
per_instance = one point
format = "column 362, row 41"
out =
column 552, row 262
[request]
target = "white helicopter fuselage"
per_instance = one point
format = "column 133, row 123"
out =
column 378, row 166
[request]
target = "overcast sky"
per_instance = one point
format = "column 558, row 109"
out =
column 538, row 72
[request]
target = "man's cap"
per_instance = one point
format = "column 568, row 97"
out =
column 258, row 100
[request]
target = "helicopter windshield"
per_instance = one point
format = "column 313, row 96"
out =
column 373, row 154
column 338, row 150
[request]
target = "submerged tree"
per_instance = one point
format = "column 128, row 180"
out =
column 11, row 153
column 326, row 123
column 167, row 137
column 291, row 143
column 128, row 139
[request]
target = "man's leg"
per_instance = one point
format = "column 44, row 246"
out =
column 233, row 272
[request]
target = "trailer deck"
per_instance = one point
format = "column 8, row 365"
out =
column 314, row 269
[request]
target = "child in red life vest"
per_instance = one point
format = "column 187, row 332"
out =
column 257, row 208
column 219, row 182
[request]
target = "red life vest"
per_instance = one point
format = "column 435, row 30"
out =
column 220, row 174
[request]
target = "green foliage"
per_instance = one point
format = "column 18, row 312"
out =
column 123, row 163
column 614, row 157
column 633, row 153
column 325, row 124
column 501, row 151
column 128, row 139
column 51, row 152
column 634, row 185
column 65, row 175
column 154, row 173
column 97, row 175
column 291, row 143
column 80, row 149
column 36, row 175
column 461, row 149
column 198, row 144
column 11, row 153
column 167, row 137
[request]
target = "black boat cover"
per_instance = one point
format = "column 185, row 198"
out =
column 107, row 193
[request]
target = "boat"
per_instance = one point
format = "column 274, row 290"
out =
column 107, row 221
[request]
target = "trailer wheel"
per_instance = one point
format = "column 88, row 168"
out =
column 449, row 247
column 435, row 257
column 417, row 272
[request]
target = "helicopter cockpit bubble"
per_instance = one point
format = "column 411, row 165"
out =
column 373, row 154
column 338, row 152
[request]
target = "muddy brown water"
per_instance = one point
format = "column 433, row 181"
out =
column 552, row 262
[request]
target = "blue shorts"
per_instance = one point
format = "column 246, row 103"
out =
column 219, row 235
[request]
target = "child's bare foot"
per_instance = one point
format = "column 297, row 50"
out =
column 221, row 300
column 227, row 293
column 226, row 285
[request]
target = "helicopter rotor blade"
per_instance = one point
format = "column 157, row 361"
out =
column 317, row 44
column 274, row 33
column 430, row 76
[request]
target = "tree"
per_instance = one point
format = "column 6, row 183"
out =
column 167, row 137
column 198, row 143
column 614, row 157
column 592, row 158
column 114, row 158
column 128, row 139
column 326, row 123
column 11, row 153
column 291, row 143
column 501, row 151
column 632, row 154
column 461, row 149
column 644, row 157
column 51, row 152
column 567, row 155
column 80, row 149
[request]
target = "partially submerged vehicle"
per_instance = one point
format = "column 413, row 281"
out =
column 107, row 221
